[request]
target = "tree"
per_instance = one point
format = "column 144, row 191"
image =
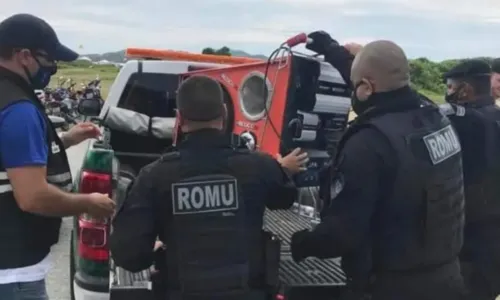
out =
column 208, row 51
column 225, row 51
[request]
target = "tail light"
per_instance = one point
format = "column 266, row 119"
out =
column 93, row 237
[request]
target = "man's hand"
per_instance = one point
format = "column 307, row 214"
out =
column 294, row 162
column 353, row 48
column 158, row 245
column 321, row 42
column 79, row 133
column 100, row 206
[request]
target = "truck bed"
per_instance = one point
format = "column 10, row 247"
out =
column 310, row 274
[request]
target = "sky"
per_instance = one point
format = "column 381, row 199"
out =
column 436, row 29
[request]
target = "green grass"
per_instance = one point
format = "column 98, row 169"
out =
column 84, row 72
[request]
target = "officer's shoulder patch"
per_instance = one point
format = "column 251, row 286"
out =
column 449, row 109
column 460, row 111
column 205, row 196
column 337, row 185
column 442, row 144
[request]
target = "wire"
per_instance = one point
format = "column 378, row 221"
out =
column 265, row 91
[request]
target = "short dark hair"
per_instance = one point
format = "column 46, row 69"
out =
column 480, row 84
column 6, row 52
column 200, row 98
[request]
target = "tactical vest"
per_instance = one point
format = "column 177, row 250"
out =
column 26, row 238
column 482, row 187
column 419, row 223
column 208, row 243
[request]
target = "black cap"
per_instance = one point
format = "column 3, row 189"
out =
column 30, row 32
column 469, row 68
column 495, row 65
column 200, row 98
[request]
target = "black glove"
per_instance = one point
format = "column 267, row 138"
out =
column 299, row 245
column 321, row 42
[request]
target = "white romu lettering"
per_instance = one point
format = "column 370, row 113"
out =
column 213, row 196
column 442, row 144
column 183, row 198
column 201, row 197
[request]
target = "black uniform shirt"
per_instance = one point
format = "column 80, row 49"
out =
column 364, row 172
column 147, row 210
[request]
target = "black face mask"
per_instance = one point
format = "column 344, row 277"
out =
column 451, row 98
column 41, row 78
column 359, row 106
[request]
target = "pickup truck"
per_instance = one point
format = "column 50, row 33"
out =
column 138, row 118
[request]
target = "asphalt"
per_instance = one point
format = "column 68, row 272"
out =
column 58, row 284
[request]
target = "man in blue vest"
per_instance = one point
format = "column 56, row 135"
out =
column 35, row 177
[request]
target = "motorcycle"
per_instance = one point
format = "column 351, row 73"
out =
column 93, row 90
column 57, row 111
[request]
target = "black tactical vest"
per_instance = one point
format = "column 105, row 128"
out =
column 419, row 224
column 482, row 185
column 208, row 243
column 25, row 238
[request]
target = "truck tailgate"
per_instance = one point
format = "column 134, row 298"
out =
column 311, row 273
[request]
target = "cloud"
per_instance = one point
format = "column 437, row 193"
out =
column 437, row 29
column 478, row 9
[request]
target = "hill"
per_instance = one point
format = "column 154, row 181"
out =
column 119, row 56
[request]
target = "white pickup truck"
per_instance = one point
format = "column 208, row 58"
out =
column 138, row 117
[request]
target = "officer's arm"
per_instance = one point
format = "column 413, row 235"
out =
column 134, row 232
column 281, row 190
column 472, row 134
column 346, row 222
column 341, row 59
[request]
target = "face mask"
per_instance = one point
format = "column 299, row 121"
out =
column 451, row 98
column 41, row 78
column 359, row 106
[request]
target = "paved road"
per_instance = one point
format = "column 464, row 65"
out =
column 58, row 280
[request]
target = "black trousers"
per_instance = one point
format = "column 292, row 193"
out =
column 443, row 283
column 482, row 280
column 480, row 259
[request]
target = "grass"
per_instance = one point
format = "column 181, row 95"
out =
column 85, row 73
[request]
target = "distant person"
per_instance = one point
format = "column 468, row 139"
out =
column 35, row 177
column 476, row 118
column 495, row 79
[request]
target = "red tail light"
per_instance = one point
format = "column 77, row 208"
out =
column 93, row 235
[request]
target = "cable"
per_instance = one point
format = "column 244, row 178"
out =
column 265, row 92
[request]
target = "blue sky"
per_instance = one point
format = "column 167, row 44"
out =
column 437, row 29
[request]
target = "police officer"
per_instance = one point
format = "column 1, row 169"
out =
column 395, row 211
column 495, row 79
column 35, row 177
column 475, row 116
column 205, row 202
